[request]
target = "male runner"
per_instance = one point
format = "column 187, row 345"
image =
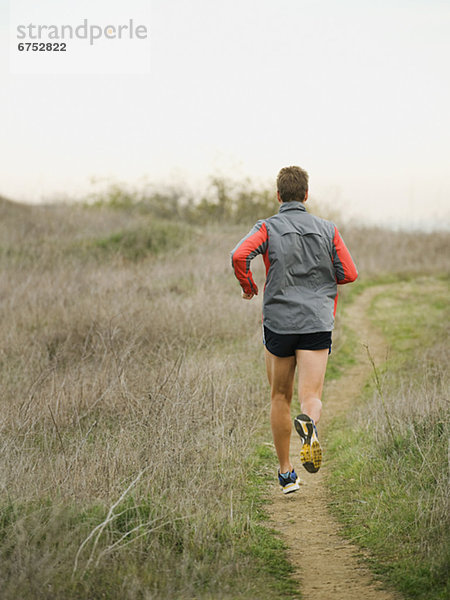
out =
column 305, row 259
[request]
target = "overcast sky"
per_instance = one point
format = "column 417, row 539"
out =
column 356, row 92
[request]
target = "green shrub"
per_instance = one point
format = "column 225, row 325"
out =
column 154, row 238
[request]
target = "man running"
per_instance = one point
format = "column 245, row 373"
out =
column 305, row 259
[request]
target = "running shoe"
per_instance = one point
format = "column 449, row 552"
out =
column 290, row 483
column 311, row 452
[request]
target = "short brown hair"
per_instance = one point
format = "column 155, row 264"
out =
column 292, row 183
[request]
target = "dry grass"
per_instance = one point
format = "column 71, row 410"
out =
column 113, row 368
column 121, row 367
column 391, row 472
column 410, row 524
column 382, row 253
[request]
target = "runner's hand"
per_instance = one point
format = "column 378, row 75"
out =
column 247, row 296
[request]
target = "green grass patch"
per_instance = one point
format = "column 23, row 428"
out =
column 412, row 315
column 154, row 238
column 391, row 491
column 141, row 545
column 137, row 237
column 342, row 356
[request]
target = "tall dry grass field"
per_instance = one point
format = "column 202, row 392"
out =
column 130, row 402
column 133, row 397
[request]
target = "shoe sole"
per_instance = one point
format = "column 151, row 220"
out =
column 311, row 456
column 290, row 487
column 311, row 453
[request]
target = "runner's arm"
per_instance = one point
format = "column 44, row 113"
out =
column 344, row 267
column 254, row 243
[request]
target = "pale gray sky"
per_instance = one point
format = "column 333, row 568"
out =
column 355, row 92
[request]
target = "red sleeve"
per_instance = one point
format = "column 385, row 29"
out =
column 344, row 267
column 250, row 246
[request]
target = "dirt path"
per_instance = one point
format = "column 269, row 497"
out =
column 327, row 567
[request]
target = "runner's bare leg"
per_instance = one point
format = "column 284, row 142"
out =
column 280, row 372
column 312, row 365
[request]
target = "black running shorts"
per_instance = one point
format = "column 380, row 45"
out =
column 286, row 344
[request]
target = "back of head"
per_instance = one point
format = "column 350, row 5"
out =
column 292, row 183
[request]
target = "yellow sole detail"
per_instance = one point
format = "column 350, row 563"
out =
column 316, row 452
column 305, row 454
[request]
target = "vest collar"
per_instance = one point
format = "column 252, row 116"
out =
column 284, row 206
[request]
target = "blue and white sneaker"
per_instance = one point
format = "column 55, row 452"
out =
column 288, row 482
column 311, row 451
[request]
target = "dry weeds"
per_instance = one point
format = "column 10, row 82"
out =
column 149, row 371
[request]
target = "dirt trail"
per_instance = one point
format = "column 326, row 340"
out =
column 327, row 566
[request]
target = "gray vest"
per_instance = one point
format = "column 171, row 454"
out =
column 301, row 288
